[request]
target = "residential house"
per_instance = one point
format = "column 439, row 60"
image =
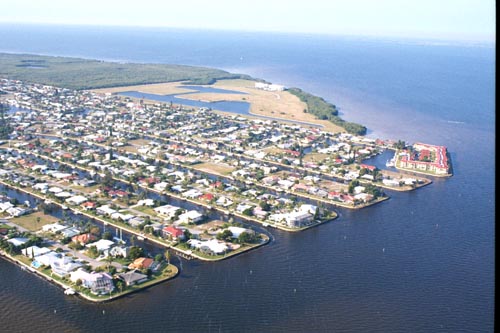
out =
column 84, row 238
column 132, row 278
column 173, row 232
column 102, row 245
column 191, row 216
column 142, row 263
column 98, row 283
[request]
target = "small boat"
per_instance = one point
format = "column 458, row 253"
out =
column 140, row 237
column 64, row 207
column 390, row 163
column 69, row 291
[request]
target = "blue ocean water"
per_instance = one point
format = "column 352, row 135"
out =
column 419, row 262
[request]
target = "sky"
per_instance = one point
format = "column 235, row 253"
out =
column 435, row 19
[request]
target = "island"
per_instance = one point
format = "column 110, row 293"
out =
column 97, row 158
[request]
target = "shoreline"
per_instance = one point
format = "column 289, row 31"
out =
column 86, row 297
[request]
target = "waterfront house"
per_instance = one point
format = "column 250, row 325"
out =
column 212, row 246
column 35, row 251
column 70, row 232
column 48, row 258
column 98, row 283
column 237, row 231
column 242, row 207
column 18, row 211
column 173, row 233
column 142, row 263
column 146, row 202
column 192, row 194
column 224, row 201
column 84, row 238
column 298, row 219
column 167, row 211
column 64, row 266
column 5, row 205
column 76, row 200
column 207, row 197
column 191, row 216
column 105, row 210
column 53, row 227
column 89, row 205
column 133, row 277
column 102, row 245
column 119, row 251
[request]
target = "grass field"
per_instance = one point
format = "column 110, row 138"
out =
column 31, row 223
column 86, row 189
column 315, row 157
column 221, row 169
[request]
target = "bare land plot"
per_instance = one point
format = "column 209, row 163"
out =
column 31, row 222
column 169, row 88
column 215, row 168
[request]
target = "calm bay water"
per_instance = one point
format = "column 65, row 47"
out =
column 421, row 261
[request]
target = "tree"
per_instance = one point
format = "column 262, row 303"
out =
column 225, row 235
column 95, row 230
column 167, row 256
column 107, row 235
column 135, row 252
column 187, row 235
column 246, row 237
column 109, row 261
column 264, row 205
column 159, row 257
column 93, row 252
column 120, row 285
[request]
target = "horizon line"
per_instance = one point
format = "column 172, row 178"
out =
column 479, row 39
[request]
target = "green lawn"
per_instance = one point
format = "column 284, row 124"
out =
column 31, row 221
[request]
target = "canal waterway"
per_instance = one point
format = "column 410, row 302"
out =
column 422, row 261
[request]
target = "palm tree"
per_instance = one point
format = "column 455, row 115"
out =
column 167, row 256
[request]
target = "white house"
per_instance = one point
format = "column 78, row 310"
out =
column 105, row 210
column 101, row 245
column 167, row 211
column 192, row 194
column 98, row 283
column 5, row 205
column 146, row 202
column 53, row 227
column 76, row 200
column 210, row 246
column 63, row 267
column 191, row 216
column 237, row 231
column 35, row 251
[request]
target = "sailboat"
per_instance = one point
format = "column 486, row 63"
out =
column 391, row 162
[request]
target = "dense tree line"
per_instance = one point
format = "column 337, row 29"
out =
column 75, row 73
column 326, row 111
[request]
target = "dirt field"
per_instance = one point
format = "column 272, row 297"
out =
column 157, row 88
column 277, row 104
column 221, row 169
